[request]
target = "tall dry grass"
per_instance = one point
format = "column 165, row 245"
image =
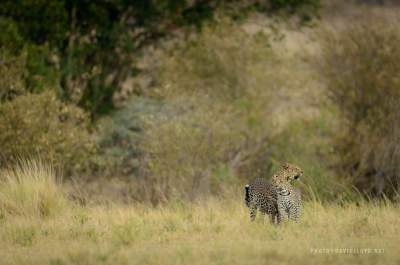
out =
column 211, row 232
column 31, row 189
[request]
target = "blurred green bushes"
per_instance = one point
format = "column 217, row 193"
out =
column 35, row 122
column 89, row 49
column 211, row 131
column 40, row 124
column 361, row 65
column 202, row 129
column 204, row 126
column 86, row 49
column 12, row 73
column 308, row 142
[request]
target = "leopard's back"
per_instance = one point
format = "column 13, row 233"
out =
column 262, row 195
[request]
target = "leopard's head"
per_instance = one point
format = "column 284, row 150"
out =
column 287, row 174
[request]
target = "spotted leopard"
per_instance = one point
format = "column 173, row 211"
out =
column 276, row 198
column 261, row 195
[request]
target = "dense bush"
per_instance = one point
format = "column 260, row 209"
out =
column 39, row 124
column 361, row 64
column 10, row 39
column 307, row 142
column 293, row 4
column 89, row 49
column 12, row 71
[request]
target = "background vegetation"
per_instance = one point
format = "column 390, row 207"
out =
column 197, row 128
column 360, row 65
column 185, row 100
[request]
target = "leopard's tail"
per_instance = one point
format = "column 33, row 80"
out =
column 247, row 197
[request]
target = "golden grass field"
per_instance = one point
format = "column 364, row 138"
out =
column 41, row 226
column 216, row 232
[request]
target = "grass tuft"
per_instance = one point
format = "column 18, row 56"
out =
column 30, row 188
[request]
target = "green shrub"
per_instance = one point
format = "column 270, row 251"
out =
column 293, row 4
column 10, row 38
column 12, row 75
column 222, row 62
column 308, row 143
column 28, row 70
column 41, row 73
column 361, row 65
column 40, row 124
column 87, row 50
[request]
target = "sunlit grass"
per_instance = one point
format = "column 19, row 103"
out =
column 212, row 232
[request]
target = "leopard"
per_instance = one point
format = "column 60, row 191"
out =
column 288, row 198
column 276, row 197
column 261, row 195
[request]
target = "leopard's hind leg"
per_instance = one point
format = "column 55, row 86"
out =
column 253, row 211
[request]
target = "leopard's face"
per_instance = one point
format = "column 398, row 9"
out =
column 287, row 174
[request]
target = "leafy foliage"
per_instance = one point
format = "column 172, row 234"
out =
column 293, row 4
column 91, row 45
column 12, row 73
column 88, row 49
